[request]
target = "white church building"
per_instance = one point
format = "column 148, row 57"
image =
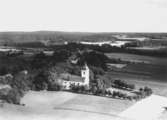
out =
column 68, row 79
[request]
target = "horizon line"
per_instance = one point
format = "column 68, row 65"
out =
column 29, row 31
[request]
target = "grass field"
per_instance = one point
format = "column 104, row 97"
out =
column 75, row 101
column 45, row 105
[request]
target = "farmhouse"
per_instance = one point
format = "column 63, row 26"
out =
column 69, row 79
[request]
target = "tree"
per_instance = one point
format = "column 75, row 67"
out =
column 148, row 91
column 39, row 61
column 94, row 58
column 61, row 55
column 54, row 87
column 94, row 89
column 21, row 82
column 114, row 94
column 41, row 81
column 3, row 70
column 13, row 96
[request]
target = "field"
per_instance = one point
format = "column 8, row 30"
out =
column 151, row 71
column 45, row 105
column 139, row 58
column 64, row 105
column 158, row 87
column 152, row 68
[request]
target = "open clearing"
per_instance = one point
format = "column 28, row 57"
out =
column 64, row 106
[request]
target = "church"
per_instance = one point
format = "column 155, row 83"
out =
column 68, row 79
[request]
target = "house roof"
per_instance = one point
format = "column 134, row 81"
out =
column 70, row 77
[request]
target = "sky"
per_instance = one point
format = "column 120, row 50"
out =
column 84, row 15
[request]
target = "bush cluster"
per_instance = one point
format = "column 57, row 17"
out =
column 78, row 88
column 146, row 91
column 123, row 85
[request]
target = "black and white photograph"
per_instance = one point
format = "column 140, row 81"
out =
column 83, row 59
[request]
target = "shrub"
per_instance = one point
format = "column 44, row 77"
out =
column 119, row 94
column 54, row 87
column 148, row 91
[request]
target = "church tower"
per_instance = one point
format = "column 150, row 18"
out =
column 85, row 73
